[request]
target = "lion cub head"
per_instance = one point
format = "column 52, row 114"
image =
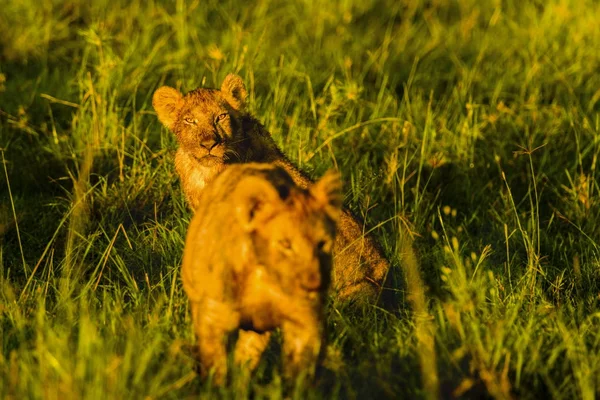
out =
column 292, row 229
column 205, row 121
column 253, row 216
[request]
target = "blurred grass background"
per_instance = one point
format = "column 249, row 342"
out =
column 468, row 129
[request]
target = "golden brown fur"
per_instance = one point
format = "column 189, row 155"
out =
column 359, row 266
column 258, row 257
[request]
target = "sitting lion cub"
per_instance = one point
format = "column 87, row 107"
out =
column 258, row 257
column 214, row 130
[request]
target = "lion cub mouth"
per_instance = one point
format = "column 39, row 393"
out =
column 209, row 160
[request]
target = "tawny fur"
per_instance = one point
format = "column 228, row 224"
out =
column 258, row 257
column 359, row 266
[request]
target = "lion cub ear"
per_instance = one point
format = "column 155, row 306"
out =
column 167, row 103
column 327, row 193
column 234, row 91
column 256, row 201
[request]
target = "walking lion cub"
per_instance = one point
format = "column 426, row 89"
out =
column 214, row 131
column 258, row 257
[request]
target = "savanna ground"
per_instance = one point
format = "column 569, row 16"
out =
column 470, row 128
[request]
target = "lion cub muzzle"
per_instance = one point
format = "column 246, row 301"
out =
column 311, row 281
column 211, row 148
column 210, row 143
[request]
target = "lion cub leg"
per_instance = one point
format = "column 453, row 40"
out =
column 213, row 322
column 249, row 348
column 301, row 347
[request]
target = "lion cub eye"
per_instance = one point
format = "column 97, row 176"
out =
column 221, row 117
column 189, row 120
column 285, row 244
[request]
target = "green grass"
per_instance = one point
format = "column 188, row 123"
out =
column 468, row 129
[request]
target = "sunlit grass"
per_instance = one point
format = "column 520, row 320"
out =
column 469, row 130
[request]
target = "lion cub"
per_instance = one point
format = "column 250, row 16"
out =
column 214, row 130
column 258, row 257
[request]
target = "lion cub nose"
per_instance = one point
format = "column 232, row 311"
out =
column 310, row 281
column 210, row 143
